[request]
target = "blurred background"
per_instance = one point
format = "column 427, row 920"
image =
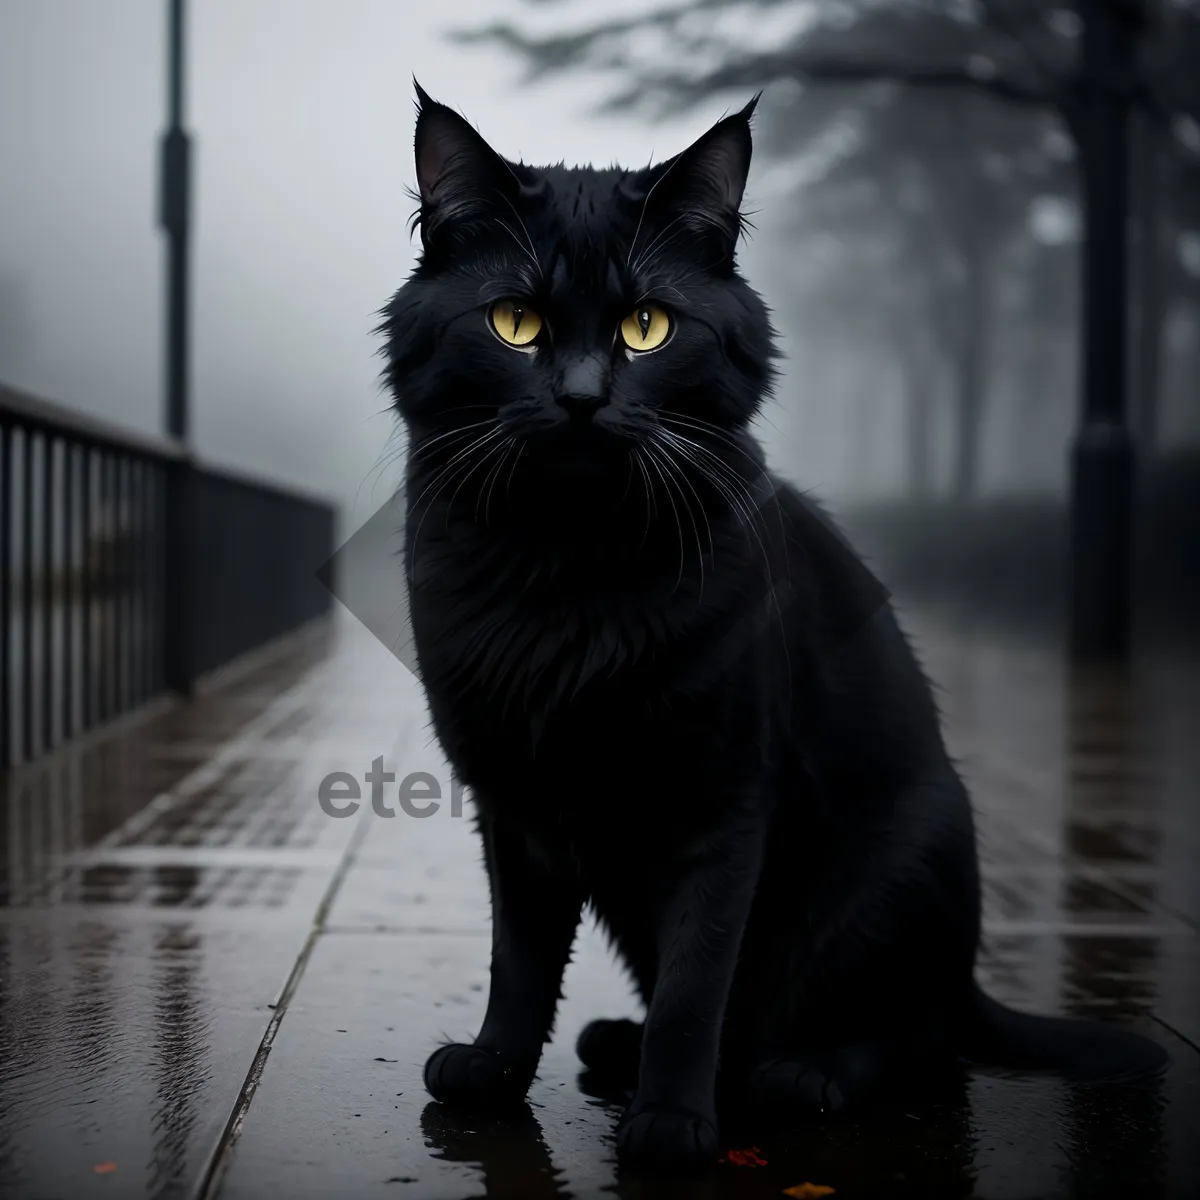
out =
column 919, row 197
column 977, row 223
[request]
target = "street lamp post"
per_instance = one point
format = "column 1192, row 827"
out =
column 179, row 608
column 174, row 217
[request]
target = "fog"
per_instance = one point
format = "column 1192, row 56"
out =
column 302, row 114
column 920, row 247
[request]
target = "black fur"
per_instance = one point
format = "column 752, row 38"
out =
column 677, row 695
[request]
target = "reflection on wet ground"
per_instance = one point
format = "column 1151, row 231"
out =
column 208, row 987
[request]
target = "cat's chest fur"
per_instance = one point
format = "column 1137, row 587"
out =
column 562, row 682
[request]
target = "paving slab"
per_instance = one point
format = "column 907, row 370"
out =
column 159, row 885
column 127, row 1044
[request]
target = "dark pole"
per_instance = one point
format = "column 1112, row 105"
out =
column 179, row 613
column 1151, row 178
column 1102, row 461
column 174, row 217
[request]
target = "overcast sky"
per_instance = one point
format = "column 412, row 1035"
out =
column 302, row 111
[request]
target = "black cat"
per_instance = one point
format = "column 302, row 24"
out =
column 677, row 696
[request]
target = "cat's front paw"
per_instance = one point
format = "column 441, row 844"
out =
column 472, row 1077
column 666, row 1140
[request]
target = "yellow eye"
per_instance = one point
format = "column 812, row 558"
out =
column 646, row 328
column 516, row 323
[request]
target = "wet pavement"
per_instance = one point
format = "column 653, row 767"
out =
column 211, row 988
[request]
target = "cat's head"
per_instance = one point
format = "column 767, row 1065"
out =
column 577, row 311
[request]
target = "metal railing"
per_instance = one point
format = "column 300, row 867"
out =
column 128, row 569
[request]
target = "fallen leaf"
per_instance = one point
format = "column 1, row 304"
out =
column 105, row 1168
column 744, row 1158
column 806, row 1191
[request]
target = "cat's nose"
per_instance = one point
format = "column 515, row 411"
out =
column 583, row 388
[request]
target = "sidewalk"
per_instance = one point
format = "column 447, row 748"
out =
column 209, row 987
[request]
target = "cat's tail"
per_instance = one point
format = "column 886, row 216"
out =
column 996, row 1035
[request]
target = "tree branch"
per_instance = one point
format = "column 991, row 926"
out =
column 547, row 55
column 764, row 69
column 847, row 71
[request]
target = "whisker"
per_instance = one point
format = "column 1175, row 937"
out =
column 428, row 509
column 490, row 482
column 645, row 205
column 723, row 486
column 650, row 501
column 520, row 246
column 682, row 475
column 678, row 524
column 676, row 473
column 628, row 482
column 525, row 230
column 428, row 443
column 463, row 480
column 706, row 427
column 482, row 440
column 443, row 478
column 658, row 237
column 730, row 486
column 513, row 469
column 386, row 458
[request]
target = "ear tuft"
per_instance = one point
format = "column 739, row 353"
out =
column 716, row 165
column 748, row 111
column 423, row 97
column 461, row 180
column 700, row 188
column 445, row 143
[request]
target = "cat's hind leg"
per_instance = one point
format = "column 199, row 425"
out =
column 829, row 1081
column 611, row 1051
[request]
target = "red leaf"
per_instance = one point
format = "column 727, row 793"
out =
column 744, row 1158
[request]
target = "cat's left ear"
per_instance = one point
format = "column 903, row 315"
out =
column 706, row 181
column 459, row 176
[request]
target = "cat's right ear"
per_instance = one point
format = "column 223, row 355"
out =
column 458, row 173
column 700, row 189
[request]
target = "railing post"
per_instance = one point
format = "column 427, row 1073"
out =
column 179, row 592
